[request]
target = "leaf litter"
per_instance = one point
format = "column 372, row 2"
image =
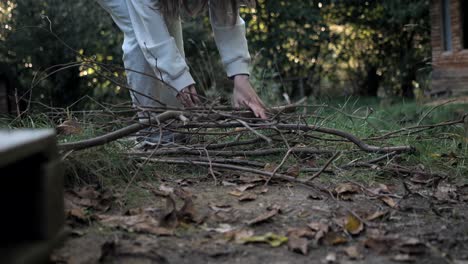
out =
column 254, row 223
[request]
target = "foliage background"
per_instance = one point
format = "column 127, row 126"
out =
column 374, row 48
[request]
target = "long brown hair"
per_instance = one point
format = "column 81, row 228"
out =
column 173, row 8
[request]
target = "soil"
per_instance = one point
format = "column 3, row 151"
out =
column 427, row 225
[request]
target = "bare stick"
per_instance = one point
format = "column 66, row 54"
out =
column 243, row 153
column 267, row 139
column 104, row 139
column 329, row 162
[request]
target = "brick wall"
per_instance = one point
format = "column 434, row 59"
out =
column 450, row 68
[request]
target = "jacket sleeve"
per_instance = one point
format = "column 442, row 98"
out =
column 158, row 46
column 230, row 40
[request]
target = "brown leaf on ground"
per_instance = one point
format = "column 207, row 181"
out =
column 353, row 225
column 421, row 178
column 246, row 187
column 353, row 252
column 235, row 193
column 380, row 244
column 334, row 238
column 142, row 223
column 220, row 207
column 403, row 258
column 376, row 215
column 380, row 189
column 321, row 229
column 272, row 239
column 248, row 197
column 141, row 247
column 80, row 200
column 188, row 212
column 270, row 167
column 227, row 183
column 301, row 232
column 298, row 244
column 389, row 201
column 311, row 163
column 264, row 217
column 294, row 170
column 262, row 191
column 89, row 198
column 412, row 246
column 314, row 197
column 69, row 127
column 169, row 218
column 346, row 188
column 239, row 236
column 251, row 178
column 78, row 214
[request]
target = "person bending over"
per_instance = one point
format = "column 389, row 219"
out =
column 153, row 48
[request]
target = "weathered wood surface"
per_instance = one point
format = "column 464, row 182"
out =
column 31, row 195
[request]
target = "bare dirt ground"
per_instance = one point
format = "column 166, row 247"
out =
column 412, row 219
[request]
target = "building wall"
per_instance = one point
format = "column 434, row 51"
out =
column 450, row 68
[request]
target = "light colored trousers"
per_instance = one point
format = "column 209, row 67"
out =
column 141, row 76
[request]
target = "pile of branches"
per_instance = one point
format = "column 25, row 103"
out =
column 223, row 138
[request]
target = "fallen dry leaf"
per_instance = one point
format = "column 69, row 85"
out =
column 298, row 244
column 380, row 244
column 69, row 127
column 318, row 226
column 321, row 229
column 403, row 258
column 239, row 236
column 353, row 252
column 376, row 215
column 346, row 188
column 142, row 246
column 248, row 197
column 270, row 167
column 235, row 193
column 411, row 246
column 272, row 239
column 353, row 225
column 220, row 207
column 294, row 171
column 226, row 183
column 301, row 232
column 245, row 187
column 335, row 238
column 169, row 219
column 262, row 191
column 389, row 201
column 264, row 217
column 380, row 189
column 222, row 228
column 331, row 258
column 421, row 178
column 135, row 223
column 188, row 212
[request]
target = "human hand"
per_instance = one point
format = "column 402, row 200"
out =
column 188, row 96
column 245, row 95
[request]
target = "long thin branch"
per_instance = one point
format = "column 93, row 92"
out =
column 104, row 139
column 234, row 153
column 350, row 137
column 327, row 164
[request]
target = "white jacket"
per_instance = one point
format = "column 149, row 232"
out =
column 161, row 52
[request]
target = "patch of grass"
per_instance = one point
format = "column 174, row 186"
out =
column 438, row 150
